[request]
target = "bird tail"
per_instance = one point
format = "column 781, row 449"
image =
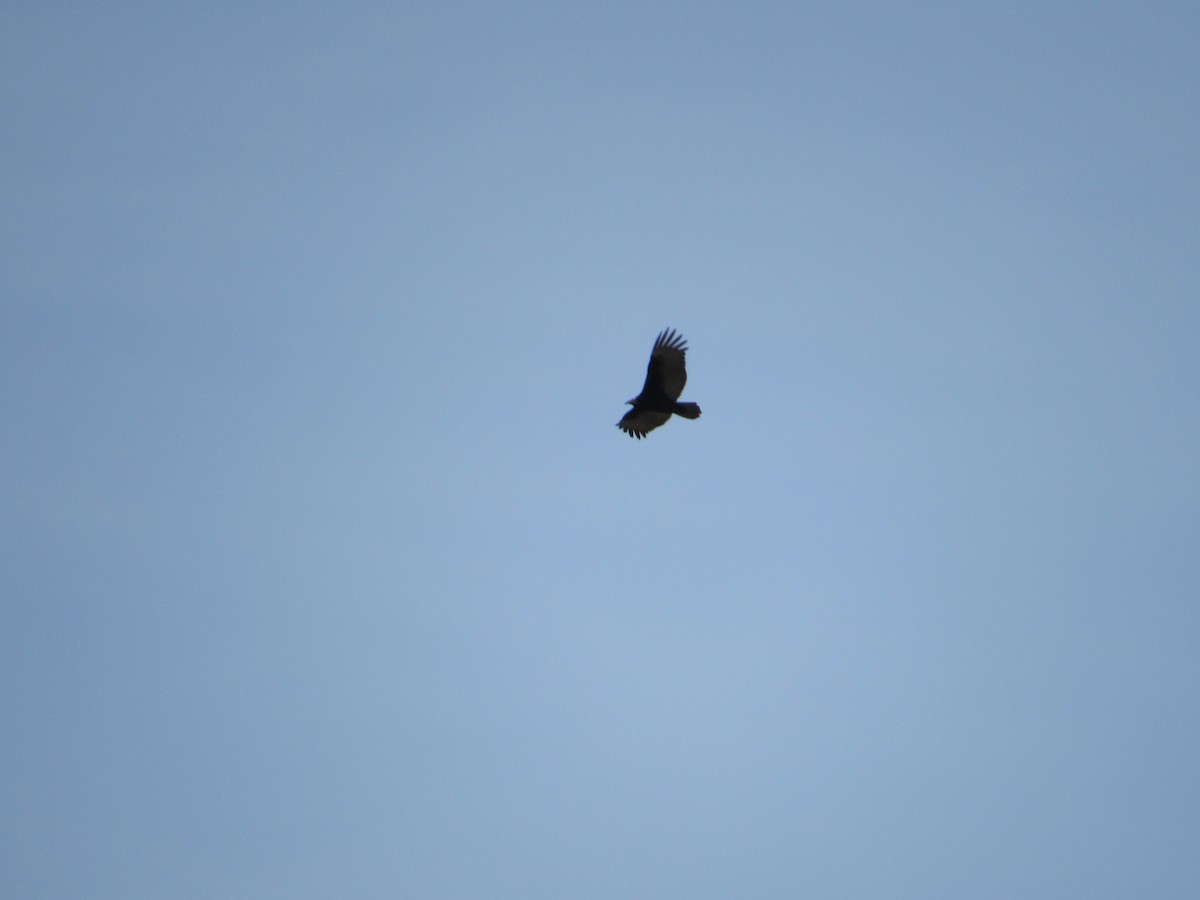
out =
column 687, row 410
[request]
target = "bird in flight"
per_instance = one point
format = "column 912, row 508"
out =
column 665, row 378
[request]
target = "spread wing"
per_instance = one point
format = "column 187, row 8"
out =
column 666, row 375
column 640, row 422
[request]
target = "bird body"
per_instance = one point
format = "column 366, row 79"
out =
column 666, row 376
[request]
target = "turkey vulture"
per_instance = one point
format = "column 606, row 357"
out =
column 665, row 378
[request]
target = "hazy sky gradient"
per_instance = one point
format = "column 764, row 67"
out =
column 326, row 572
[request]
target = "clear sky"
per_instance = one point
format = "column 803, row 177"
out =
column 326, row 572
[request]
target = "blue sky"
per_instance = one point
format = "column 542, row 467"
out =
column 327, row 574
